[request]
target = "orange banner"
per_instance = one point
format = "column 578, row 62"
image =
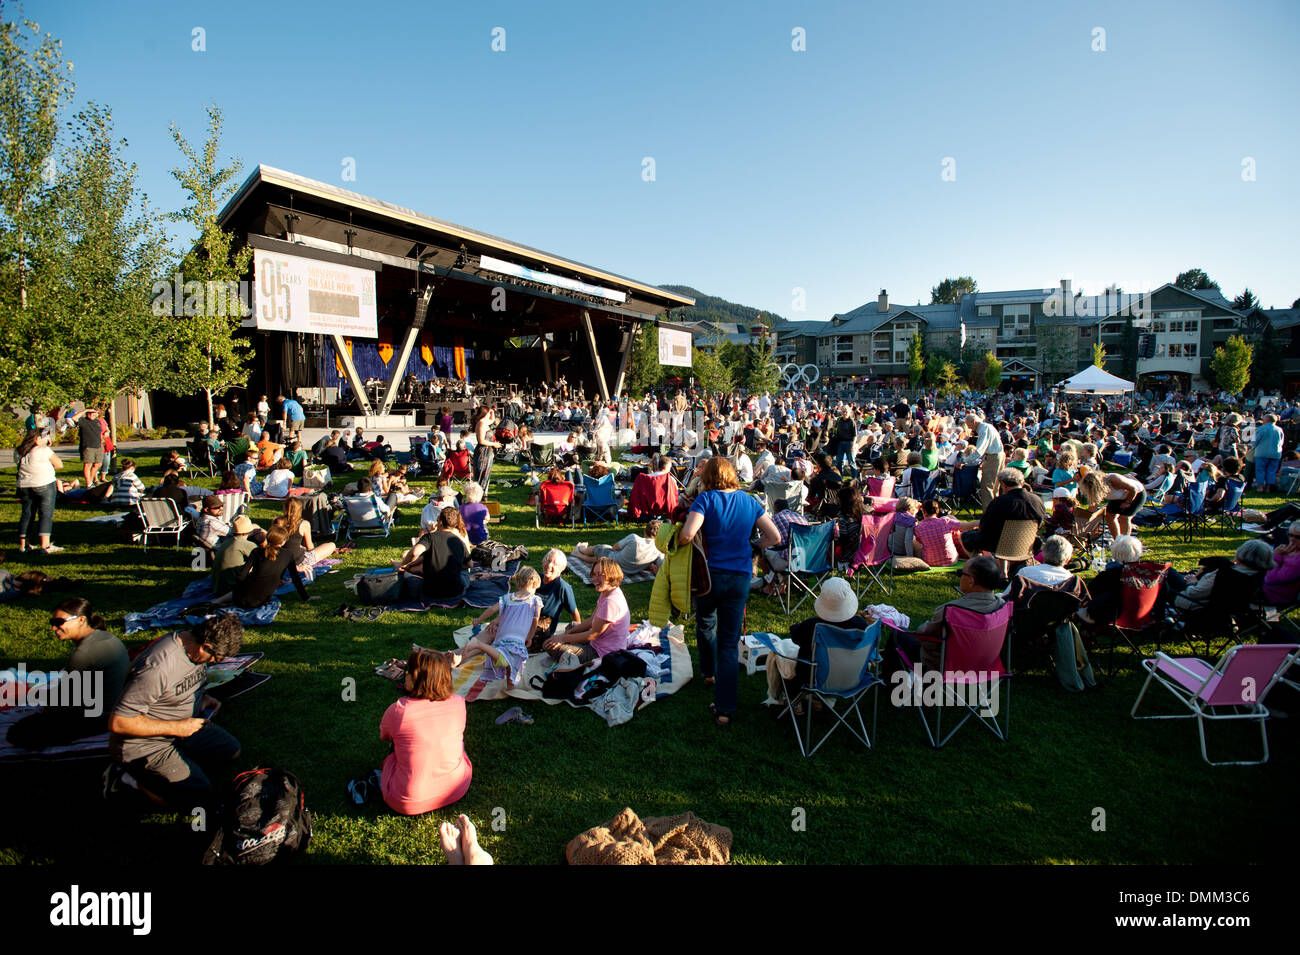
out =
column 385, row 345
column 338, row 362
column 426, row 347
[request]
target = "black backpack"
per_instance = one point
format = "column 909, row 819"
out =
column 266, row 820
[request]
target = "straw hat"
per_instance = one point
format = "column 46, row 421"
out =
column 243, row 525
column 836, row 602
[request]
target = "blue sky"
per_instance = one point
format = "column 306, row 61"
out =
column 774, row 169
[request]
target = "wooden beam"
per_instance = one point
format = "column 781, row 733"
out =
column 395, row 376
column 595, row 355
column 350, row 372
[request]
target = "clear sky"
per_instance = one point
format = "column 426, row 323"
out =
column 774, row 169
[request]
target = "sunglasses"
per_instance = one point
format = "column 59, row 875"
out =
column 57, row 622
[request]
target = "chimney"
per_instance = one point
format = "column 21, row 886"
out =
column 1065, row 286
column 882, row 303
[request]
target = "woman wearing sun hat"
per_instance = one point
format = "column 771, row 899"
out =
column 836, row 604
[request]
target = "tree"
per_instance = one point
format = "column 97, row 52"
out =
column 643, row 368
column 1099, row 355
column 949, row 382
column 915, row 359
column 1245, row 301
column 1195, row 280
column 34, row 86
column 1057, row 349
column 978, row 375
column 1128, row 352
column 1266, row 372
column 710, row 373
column 97, row 337
column 761, row 372
column 992, row 371
column 1231, row 365
column 210, row 357
column 945, row 293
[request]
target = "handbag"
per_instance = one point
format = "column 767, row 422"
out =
column 381, row 586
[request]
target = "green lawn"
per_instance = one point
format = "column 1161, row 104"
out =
column 1032, row 799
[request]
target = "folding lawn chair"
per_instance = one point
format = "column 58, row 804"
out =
column 789, row 491
column 880, row 486
column 1229, row 513
column 1140, row 585
column 962, row 494
column 598, row 501
column 555, row 503
column 158, row 515
column 975, row 668
column 653, row 495
column 233, row 503
column 200, row 456
column 1193, row 517
column 843, row 667
column 1015, row 545
column 1234, row 689
column 873, row 564
column 364, row 519
column 812, row 553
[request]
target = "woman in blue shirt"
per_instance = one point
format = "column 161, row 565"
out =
column 726, row 516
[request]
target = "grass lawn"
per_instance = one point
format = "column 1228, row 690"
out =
column 1033, row 799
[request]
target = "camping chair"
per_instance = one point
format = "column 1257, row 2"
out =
column 880, row 486
column 974, row 656
column 1086, row 536
column 554, row 503
column 930, row 489
column 236, row 449
column 1140, row 585
column 364, row 519
column 1044, row 616
column 1193, row 518
column 843, row 666
column 1015, row 545
column 233, row 503
column 812, row 552
column 1230, row 614
column 457, row 466
column 789, row 491
column 872, row 564
column 598, row 499
column 653, row 495
column 962, row 495
column 158, row 515
column 200, row 456
column 920, row 481
column 1229, row 516
column 1234, row 689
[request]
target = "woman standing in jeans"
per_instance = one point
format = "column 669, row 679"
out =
column 485, row 446
column 36, row 488
column 727, row 517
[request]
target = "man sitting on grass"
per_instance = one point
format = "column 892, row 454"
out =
column 157, row 737
column 635, row 553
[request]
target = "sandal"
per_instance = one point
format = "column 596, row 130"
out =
column 719, row 718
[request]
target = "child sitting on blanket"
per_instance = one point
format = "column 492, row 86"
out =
column 506, row 641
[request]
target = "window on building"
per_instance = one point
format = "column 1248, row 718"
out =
column 986, row 311
column 1157, row 327
column 844, row 350
column 1189, row 351
column 1085, row 332
column 1175, row 350
column 900, row 357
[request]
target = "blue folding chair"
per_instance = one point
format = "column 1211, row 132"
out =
column 598, row 500
column 843, row 666
column 1193, row 518
column 1229, row 513
column 965, row 486
column 930, row 490
column 812, row 553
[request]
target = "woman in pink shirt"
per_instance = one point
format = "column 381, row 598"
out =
column 428, row 768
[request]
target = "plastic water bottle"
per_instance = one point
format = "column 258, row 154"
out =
column 1099, row 561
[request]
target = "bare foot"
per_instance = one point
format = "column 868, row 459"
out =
column 471, row 851
column 449, row 835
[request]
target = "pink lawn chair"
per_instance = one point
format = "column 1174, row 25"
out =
column 1233, row 690
column 975, row 663
column 871, row 563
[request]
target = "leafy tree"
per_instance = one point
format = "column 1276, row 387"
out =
column 1266, row 372
column 710, row 373
column 643, row 369
column 945, row 293
column 1099, row 355
column 1195, row 280
column 949, row 382
column 992, row 371
column 915, row 359
column 209, row 356
column 978, row 375
column 99, row 338
column 1245, row 301
column 1057, row 349
column 1231, row 365
column 35, row 83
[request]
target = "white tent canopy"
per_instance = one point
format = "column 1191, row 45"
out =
column 1093, row 380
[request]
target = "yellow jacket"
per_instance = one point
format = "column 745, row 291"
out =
column 672, row 586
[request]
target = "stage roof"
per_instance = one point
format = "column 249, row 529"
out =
column 281, row 204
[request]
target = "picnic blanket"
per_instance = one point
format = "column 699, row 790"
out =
column 668, row 667
column 486, row 587
column 583, row 573
column 117, row 518
column 225, row 680
column 684, row 839
column 169, row 612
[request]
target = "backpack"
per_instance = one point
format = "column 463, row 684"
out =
column 266, row 820
column 382, row 586
column 319, row 514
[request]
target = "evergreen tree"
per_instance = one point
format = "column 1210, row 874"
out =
column 945, row 293
column 1195, row 280
column 643, row 369
column 712, row 376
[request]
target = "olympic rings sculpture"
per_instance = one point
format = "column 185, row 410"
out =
column 792, row 375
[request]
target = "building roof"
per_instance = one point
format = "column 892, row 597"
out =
column 1282, row 317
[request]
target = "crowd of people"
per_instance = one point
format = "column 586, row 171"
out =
column 731, row 476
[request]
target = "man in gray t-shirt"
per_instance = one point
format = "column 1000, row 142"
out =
column 156, row 735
